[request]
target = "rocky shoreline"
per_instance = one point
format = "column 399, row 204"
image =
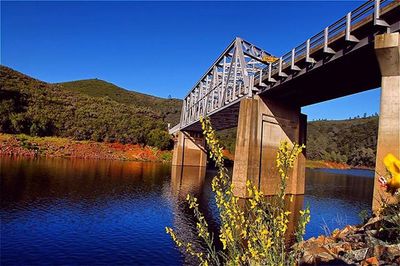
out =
column 376, row 242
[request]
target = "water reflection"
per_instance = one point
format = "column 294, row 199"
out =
column 195, row 181
column 26, row 180
column 343, row 184
column 187, row 180
column 61, row 211
column 56, row 211
column 336, row 197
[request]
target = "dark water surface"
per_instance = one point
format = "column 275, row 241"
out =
column 69, row 212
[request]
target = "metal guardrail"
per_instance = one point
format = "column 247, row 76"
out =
column 174, row 129
column 243, row 67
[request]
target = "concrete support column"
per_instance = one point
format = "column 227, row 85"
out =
column 247, row 149
column 189, row 149
column 262, row 125
column 387, row 49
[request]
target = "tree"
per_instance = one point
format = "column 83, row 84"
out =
column 160, row 139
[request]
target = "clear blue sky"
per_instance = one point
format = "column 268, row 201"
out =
column 160, row 48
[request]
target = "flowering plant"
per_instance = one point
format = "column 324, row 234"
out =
column 391, row 183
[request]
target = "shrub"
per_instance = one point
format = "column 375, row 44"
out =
column 255, row 233
column 166, row 156
column 160, row 139
column 363, row 156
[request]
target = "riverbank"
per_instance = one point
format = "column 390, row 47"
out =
column 323, row 164
column 27, row 146
column 333, row 165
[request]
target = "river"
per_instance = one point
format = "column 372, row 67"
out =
column 94, row 212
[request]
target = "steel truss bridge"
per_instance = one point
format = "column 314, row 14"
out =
column 337, row 61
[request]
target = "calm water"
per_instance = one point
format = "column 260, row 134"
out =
column 69, row 212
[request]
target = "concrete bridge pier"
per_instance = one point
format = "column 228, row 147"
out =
column 189, row 149
column 387, row 49
column 262, row 125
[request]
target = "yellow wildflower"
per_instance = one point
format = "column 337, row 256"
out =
column 393, row 166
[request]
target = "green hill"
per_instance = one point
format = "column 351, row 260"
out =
column 37, row 108
column 352, row 141
column 169, row 109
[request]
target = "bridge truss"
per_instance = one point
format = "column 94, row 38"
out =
column 229, row 79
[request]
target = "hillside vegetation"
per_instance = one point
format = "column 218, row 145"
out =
column 351, row 141
column 168, row 109
column 37, row 108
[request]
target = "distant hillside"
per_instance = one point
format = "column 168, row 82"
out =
column 351, row 141
column 37, row 108
column 169, row 109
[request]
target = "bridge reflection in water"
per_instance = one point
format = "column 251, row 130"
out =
column 196, row 181
column 349, row 191
column 191, row 180
column 187, row 180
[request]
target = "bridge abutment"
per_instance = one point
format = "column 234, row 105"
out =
column 262, row 125
column 387, row 49
column 189, row 149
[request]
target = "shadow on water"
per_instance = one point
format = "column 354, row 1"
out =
column 63, row 211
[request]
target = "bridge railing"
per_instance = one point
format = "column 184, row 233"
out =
column 228, row 80
column 343, row 27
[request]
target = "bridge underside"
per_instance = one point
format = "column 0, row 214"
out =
column 223, row 119
column 356, row 72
